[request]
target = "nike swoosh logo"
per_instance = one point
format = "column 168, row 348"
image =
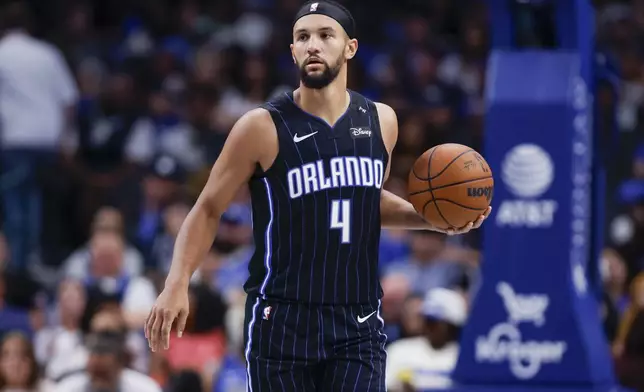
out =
column 298, row 139
column 363, row 319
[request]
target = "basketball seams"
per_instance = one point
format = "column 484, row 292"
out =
column 413, row 169
column 429, row 183
column 449, row 164
column 424, row 212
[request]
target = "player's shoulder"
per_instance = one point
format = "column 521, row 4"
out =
column 254, row 123
column 388, row 124
column 280, row 104
column 385, row 112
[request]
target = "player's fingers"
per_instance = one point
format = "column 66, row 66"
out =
column 181, row 322
column 166, row 327
column 465, row 229
column 148, row 325
column 478, row 222
column 155, row 333
column 482, row 218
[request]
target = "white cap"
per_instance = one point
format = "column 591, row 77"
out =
column 445, row 305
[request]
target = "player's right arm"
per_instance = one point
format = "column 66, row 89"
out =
column 252, row 140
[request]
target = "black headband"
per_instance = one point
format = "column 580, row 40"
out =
column 333, row 11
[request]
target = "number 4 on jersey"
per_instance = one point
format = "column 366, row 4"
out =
column 341, row 218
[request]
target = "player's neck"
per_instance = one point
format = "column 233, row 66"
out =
column 328, row 103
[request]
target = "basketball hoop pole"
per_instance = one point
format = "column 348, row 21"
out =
column 534, row 323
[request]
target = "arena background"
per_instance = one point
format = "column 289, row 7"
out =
column 112, row 118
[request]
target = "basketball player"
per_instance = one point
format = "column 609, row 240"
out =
column 315, row 161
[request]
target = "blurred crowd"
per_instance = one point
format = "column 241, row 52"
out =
column 111, row 114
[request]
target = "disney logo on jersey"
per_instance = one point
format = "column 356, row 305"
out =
column 360, row 132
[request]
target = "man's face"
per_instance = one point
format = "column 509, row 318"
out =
column 437, row 332
column 102, row 368
column 320, row 49
column 106, row 249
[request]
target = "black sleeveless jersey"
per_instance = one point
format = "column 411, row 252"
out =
column 316, row 210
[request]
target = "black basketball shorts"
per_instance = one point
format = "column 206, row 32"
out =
column 307, row 348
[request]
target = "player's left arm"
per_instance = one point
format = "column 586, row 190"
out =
column 396, row 212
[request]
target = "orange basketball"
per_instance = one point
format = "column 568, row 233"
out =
column 450, row 185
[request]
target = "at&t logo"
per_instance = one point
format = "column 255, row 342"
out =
column 527, row 172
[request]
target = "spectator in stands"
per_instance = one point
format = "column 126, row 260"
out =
column 615, row 298
column 164, row 131
column 107, row 368
column 396, row 290
column 113, row 320
column 160, row 187
column 427, row 361
column 18, row 366
column 629, row 345
column 202, row 98
column 19, row 309
column 37, row 99
column 163, row 246
column 188, row 381
column 109, row 283
column 412, row 322
column 104, row 166
column 12, row 317
column 626, row 324
column 627, row 229
column 107, row 219
column 108, row 320
column 231, row 253
column 56, row 343
column 207, row 309
column 252, row 86
column 424, row 268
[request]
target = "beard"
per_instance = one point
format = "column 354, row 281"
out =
column 316, row 80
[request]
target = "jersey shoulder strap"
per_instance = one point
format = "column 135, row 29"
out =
column 366, row 107
column 277, row 108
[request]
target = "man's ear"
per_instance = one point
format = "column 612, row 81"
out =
column 351, row 49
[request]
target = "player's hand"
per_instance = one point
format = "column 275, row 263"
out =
column 171, row 305
column 471, row 225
